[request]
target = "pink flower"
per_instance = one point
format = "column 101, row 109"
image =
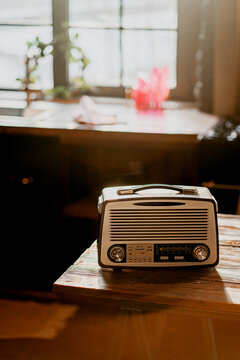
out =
column 150, row 95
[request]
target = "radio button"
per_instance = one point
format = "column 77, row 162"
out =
column 178, row 258
column 164, row 258
column 201, row 252
column 116, row 253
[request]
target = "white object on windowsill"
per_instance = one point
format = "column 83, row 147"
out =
column 88, row 113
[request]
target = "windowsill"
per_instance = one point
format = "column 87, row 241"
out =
column 176, row 118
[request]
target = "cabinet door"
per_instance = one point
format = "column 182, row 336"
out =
column 218, row 169
column 29, row 206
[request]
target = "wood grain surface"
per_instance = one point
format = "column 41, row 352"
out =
column 216, row 288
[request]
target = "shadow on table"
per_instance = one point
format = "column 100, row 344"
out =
column 183, row 287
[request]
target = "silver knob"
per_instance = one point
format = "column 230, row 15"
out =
column 201, row 252
column 117, row 253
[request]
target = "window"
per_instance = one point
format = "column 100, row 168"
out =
column 123, row 39
column 22, row 21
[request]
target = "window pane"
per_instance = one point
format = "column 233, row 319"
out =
column 25, row 11
column 94, row 12
column 142, row 50
column 150, row 14
column 102, row 48
column 13, row 41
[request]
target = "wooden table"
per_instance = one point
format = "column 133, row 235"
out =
column 160, row 314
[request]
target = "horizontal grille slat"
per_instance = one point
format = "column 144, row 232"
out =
column 147, row 238
column 158, row 224
column 159, row 216
column 157, row 234
column 159, row 221
column 158, row 238
column 187, row 233
column 158, row 210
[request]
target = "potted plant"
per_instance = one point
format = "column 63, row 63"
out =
column 36, row 50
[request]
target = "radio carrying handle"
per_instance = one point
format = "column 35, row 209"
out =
column 182, row 189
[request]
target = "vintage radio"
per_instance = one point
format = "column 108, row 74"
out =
column 157, row 226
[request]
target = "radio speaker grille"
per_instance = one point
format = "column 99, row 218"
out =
column 158, row 224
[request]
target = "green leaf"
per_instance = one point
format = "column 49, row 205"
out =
column 85, row 62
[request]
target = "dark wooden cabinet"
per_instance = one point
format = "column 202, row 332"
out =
column 38, row 241
column 99, row 164
column 30, row 208
column 53, row 171
column 42, row 175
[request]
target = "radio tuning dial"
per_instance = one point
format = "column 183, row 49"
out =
column 117, row 254
column 201, row 252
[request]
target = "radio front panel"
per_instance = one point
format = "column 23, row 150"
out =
column 146, row 254
column 158, row 233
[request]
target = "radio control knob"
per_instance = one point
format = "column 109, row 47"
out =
column 201, row 252
column 117, row 253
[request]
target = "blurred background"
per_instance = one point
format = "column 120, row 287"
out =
column 121, row 38
column 51, row 184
